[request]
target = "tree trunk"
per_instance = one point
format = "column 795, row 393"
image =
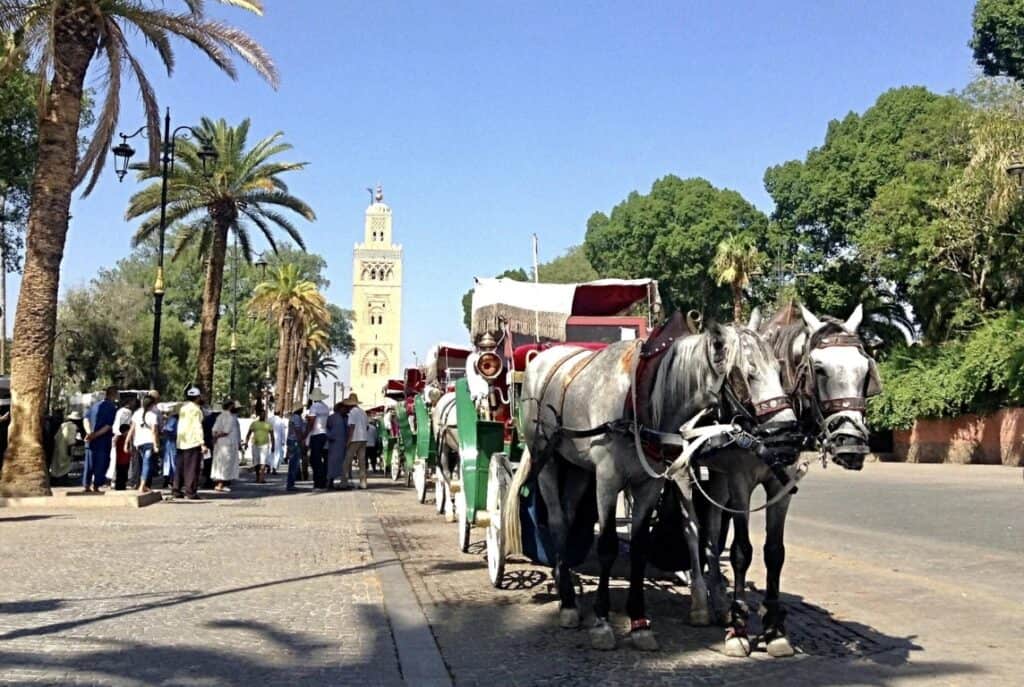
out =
column 282, row 404
column 211, row 301
column 35, row 323
column 737, row 304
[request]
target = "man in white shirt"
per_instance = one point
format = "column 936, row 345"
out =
column 357, row 435
column 316, row 431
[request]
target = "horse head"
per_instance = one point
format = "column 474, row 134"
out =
column 835, row 376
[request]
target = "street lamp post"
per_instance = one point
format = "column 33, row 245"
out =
column 122, row 154
column 234, row 321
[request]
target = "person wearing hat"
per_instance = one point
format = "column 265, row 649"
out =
column 66, row 437
column 189, row 445
column 358, row 431
column 316, row 431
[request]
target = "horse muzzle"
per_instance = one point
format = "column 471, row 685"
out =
column 845, row 440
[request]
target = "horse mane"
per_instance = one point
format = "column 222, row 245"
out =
column 687, row 374
column 783, row 338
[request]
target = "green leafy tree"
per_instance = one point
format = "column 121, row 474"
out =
column 569, row 268
column 671, row 234
column 62, row 38
column 244, row 190
column 854, row 214
column 998, row 38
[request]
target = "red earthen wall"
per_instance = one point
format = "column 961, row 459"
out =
column 988, row 439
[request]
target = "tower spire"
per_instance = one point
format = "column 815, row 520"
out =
column 379, row 196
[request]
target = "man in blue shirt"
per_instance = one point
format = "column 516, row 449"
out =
column 97, row 442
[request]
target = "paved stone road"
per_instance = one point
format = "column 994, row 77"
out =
column 260, row 587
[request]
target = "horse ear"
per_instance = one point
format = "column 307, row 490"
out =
column 854, row 320
column 755, row 320
column 812, row 322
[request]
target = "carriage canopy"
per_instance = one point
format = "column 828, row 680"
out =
column 545, row 309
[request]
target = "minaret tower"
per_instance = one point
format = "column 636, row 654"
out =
column 377, row 305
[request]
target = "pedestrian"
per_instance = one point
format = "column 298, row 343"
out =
column 280, row 425
column 261, row 433
column 122, row 457
column 142, row 435
column 99, row 440
column 169, row 434
column 123, row 417
column 67, row 437
column 206, row 464
column 337, row 445
column 296, row 437
column 226, row 445
column 357, row 434
column 372, row 447
column 190, row 446
column 316, row 432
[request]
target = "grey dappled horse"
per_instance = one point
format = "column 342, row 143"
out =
column 446, row 431
column 575, row 388
column 828, row 375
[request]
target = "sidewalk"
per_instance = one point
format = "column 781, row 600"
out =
column 254, row 587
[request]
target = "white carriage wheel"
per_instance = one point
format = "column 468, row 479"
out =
column 396, row 464
column 497, row 489
column 463, row 525
column 440, row 494
column 419, row 477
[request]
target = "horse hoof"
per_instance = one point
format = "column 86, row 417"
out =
column 644, row 640
column 780, row 648
column 737, row 647
column 449, row 515
column 602, row 637
column 700, row 617
column 569, row 618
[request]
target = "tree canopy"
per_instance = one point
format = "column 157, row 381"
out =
column 998, row 38
column 672, row 234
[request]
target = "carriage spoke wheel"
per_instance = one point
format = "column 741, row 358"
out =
column 396, row 465
column 462, row 522
column 419, row 478
column 497, row 489
column 440, row 493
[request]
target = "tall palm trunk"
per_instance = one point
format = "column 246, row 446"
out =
column 737, row 303
column 283, row 404
column 211, row 299
column 35, row 324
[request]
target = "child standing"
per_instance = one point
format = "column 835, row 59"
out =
column 123, row 457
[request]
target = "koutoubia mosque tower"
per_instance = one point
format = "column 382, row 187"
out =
column 376, row 305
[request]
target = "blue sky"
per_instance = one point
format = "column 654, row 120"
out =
column 487, row 122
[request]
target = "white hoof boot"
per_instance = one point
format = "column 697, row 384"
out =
column 449, row 513
column 569, row 618
column 602, row 637
column 780, row 648
column 700, row 617
column 644, row 640
column 737, row 647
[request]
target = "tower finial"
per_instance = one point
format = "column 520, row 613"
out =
column 379, row 196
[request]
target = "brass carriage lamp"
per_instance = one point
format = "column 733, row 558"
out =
column 1015, row 170
column 207, row 153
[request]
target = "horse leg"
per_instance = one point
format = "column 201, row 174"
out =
column 601, row 634
column 547, row 482
column 718, row 490
column 645, row 498
column 737, row 642
column 699, row 613
column 774, row 616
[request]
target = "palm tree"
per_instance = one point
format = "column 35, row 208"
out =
column 293, row 302
column 736, row 260
column 321, row 366
column 61, row 38
column 244, row 190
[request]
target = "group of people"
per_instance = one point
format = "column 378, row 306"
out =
column 129, row 445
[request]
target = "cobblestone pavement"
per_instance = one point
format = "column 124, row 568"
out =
column 251, row 588
column 855, row 618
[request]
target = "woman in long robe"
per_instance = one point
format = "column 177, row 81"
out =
column 226, row 441
column 337, row 444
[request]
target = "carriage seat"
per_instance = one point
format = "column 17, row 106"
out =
column 522, row 354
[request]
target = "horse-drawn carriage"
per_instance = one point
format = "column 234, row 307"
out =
column 512, row 322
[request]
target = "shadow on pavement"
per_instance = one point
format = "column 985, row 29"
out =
column 248, row 652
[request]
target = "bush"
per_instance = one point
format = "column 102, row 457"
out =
column 977, row 375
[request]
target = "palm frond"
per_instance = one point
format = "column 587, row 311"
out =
column 95, row 156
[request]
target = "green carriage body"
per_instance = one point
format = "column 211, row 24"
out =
column 406, row 437
column 478, row 440
column 426, row 442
